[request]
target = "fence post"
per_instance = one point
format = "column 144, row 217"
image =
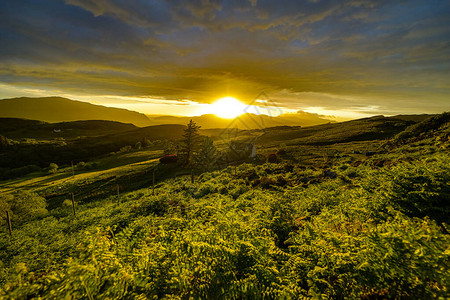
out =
column 73, row 204
column 192, row 176
column 8, row 219
column 153, row 181
column 118, row 190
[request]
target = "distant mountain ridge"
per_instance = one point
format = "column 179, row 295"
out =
column 58, row 109
column 247, row 121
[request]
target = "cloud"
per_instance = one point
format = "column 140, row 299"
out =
column 391, row 52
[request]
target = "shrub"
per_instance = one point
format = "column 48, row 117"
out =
column 26, row 205
column 125, row 149
column 146, row 143
column 168, row 159
column 81, row 165
column 272, row 158
column 4, row 143
column 17, row 172
column 53, row 168
column 281, row 152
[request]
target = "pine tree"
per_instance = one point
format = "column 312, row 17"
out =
column 206, row 158
column 190, row 143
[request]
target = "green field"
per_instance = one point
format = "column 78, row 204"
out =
column 326, row 221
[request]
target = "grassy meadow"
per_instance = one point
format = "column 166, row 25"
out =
column 355, row 210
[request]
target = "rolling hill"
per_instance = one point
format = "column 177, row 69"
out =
column 82, row 148
column 57, row 109
column 374, row 128
column 247, row 121
column 22, row 128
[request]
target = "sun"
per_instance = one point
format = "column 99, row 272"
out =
column 228, row 107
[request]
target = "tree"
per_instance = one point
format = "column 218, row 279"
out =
column 190, row 142
column 146, row 143
column 3, row 142
column 53, row 168
column 206, row 158
column 169, row 148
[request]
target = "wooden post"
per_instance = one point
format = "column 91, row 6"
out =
column 192, row 176
column 8, row 219
column 73, row 204
column 118, row 190
column 153, row 181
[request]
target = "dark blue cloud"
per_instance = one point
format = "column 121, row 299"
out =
column 194, row 49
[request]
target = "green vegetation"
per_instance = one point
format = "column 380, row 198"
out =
column 53, row 168
column 324, row 222
column 23, row 206
column 19, row 156
column 190, row 143
column 374, row 128
column 206, row 158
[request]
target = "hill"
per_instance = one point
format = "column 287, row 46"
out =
column 37, row 143
column 247, row 121
column 348, row 227
column 374, row 128
column 15, row 128
column 40, row 152
column 58, row 109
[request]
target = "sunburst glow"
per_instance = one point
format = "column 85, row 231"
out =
column 228, row 107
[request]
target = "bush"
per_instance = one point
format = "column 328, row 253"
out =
column 53, row 168
column 4, row 143
column 146, row 143
column 126, row 149
column 81, row 165
column 422, row 189
column 272, row 158
column 18, row 172
column 26, row 205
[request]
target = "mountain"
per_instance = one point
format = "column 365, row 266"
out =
column 247, row 121
column 57, row 109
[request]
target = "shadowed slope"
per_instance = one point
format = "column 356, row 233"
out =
column 57, row 109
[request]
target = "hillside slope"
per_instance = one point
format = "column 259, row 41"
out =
column 41, row 153
column 348, row 230
column 247, row 121
column 14, row 128
column 57, row 109
column 374, row 128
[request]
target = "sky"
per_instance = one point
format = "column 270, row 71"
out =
column 349, row 59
